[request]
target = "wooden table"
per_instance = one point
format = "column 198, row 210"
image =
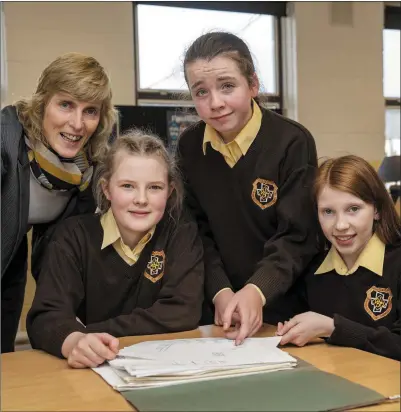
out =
column 35, row 381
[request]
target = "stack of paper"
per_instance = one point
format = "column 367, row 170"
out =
column 171, row 362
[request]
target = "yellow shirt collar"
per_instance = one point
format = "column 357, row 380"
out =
column 244, row 139
column 112, row 236
column 372, row 258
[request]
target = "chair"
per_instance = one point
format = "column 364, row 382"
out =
column 390, row 172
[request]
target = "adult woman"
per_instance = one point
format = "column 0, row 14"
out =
column 48, row 143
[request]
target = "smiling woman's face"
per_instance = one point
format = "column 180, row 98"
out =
column 69, row 123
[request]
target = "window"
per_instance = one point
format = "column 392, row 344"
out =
column 391, row 58
column 159, row 57
column 393, row 115
column 391, row 79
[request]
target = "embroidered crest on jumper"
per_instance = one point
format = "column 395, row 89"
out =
column 264, row 193
column 155, row 267
column 378, row 302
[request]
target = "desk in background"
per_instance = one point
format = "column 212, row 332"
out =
column 35, row 381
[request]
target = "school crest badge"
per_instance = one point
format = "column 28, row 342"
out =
column 264, row 193
column 378, row 302
column 155, row 267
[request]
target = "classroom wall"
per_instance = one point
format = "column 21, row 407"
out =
column 334, row 57
column 38, row 32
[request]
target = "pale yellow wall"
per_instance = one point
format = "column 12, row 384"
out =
column 336, row 89
column 38, row 32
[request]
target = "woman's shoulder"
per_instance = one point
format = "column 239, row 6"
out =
column 8, row 112
column 9, row 116
column 11, row 137
column 10, row 125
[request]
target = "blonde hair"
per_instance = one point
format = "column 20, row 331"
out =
column 356, row 176
column 140, row 143
column 84, row 79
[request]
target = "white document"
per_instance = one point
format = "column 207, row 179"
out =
column 171, row 362
column 209, row 351
column 121, row 383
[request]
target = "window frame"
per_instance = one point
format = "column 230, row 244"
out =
column 392, row 21
column 151, row 97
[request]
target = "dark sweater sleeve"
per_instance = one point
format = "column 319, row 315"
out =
column 287, row 254
column 215, row 275
column 4, row 162
column 179, row 303
column 285, row 307
column 10, row 131
column 381, row 340
column 59, row 293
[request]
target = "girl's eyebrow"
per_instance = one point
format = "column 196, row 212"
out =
column 196, row 84
column 222, row 78
column 346, row 205
column 219, row 78
column 134, row 181
column 157, row 183
column 324, row 207
column 354, row 204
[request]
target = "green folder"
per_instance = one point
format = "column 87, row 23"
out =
column 304, row 388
